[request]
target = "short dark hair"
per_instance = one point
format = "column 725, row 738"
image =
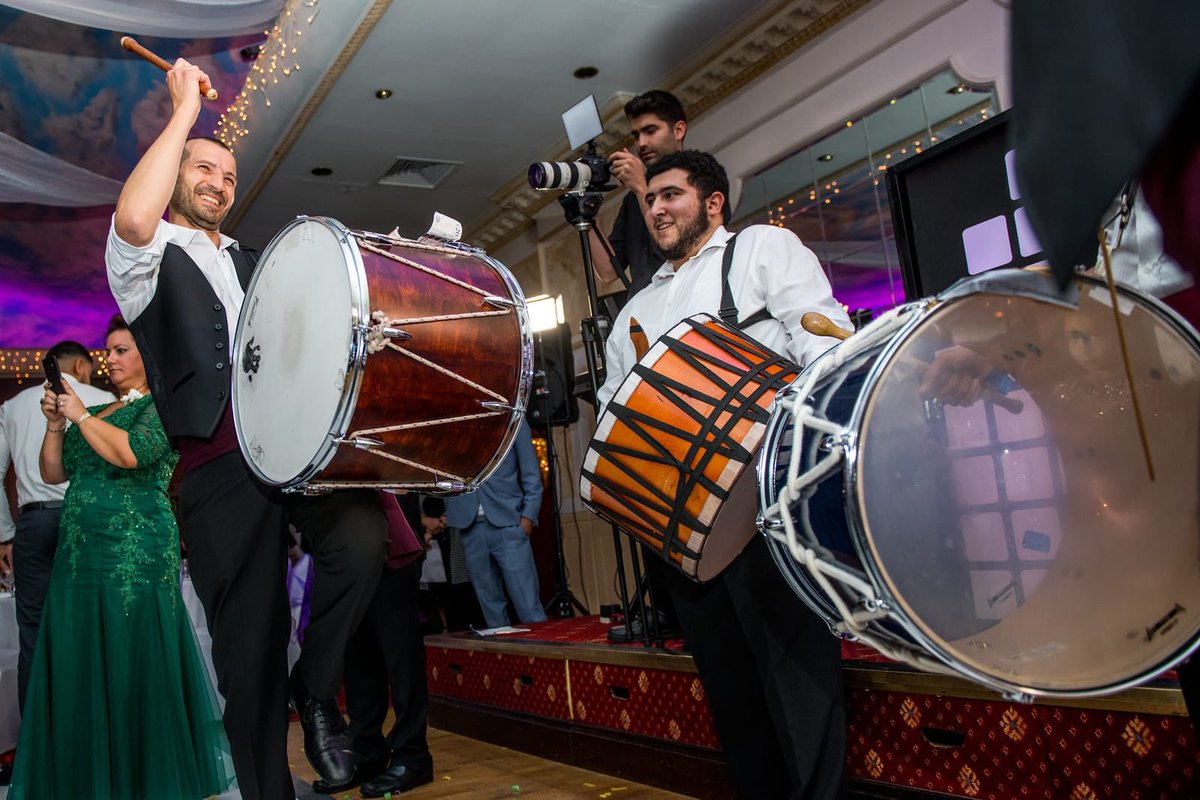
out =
column 117, row 323
column 663, row 105
column 68, row 348
column 703, row 171
column 212, row 139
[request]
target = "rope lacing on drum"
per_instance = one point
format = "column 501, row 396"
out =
column 803, row 544
column 378, row 338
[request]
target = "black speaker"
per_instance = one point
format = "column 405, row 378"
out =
column 552, row 401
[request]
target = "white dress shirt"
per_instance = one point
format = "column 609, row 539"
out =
column 133, row 271
column 771, row 268
column 22, row 426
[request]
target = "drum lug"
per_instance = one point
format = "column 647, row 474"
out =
column 361, row 442
column 769, row 523
column 311, row 491
column 495, row 405
column 873, row 605
column 499, row 302
column 394, row 333
column 830, row 442
column 450, row 486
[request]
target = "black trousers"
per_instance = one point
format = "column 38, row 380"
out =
column 346, row 533
column 388, row 649
column 773, row 676
column 233, row 526
column 33, row 548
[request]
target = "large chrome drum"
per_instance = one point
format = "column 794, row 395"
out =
column 964, row 484
column 373, row 361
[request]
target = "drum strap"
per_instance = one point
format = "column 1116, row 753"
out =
column 729, row 310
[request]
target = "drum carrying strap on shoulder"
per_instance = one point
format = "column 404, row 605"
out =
column 729, row 311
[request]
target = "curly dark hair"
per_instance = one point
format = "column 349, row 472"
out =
column 663, row 105
column 703, row 172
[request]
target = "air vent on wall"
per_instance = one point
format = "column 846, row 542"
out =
column 418, row 173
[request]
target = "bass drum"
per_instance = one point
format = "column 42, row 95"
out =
column 965, row 485
column 369, row 361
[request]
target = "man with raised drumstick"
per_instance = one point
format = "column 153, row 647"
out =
column 181, row 284
column 771, row 670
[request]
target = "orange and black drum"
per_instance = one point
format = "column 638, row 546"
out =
column 670, row 463
column 374, row 361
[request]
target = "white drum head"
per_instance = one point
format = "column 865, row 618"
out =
column 294, row 379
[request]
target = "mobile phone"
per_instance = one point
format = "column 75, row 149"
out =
column 53, row 374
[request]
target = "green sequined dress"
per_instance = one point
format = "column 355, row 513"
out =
column 119, row 705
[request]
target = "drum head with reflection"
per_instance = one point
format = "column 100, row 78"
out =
column 1029, row 540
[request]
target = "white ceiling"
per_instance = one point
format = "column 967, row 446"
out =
column 481, row 82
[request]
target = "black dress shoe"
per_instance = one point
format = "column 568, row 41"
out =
column 396, row 779
column 6, row 773
column 363, row 771
column 327, row 743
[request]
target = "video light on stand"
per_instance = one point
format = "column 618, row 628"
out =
column 545, row 312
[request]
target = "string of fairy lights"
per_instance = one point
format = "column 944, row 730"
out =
column 25, row 364
column 779, row 212
column 278, row 58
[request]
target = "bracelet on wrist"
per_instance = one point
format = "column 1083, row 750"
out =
column 60, row 429
column 86, row 414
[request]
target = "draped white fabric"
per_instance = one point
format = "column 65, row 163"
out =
column 191, row 19
column 27, row 175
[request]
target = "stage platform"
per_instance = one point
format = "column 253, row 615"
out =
column 562, row 691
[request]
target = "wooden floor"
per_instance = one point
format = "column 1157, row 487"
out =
column 467, row 768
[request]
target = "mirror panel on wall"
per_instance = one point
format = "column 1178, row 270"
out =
column 832, row 193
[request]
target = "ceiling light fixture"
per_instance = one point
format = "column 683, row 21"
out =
column 383, row 94
column 321, row 172
column 956, row 89
column 825, row 157
column 583, row 73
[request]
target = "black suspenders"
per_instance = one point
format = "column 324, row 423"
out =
column 729, row 312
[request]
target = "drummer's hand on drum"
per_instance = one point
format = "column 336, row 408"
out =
column 956, row 377
column 527, row 524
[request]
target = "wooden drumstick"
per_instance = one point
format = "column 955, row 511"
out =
column 820, row 325
column 131, row 44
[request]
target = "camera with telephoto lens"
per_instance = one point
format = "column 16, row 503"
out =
column 590, row 173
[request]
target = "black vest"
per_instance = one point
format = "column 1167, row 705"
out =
column 185, row 345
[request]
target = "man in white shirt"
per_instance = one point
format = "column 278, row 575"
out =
column 27, row 546
column 180, row 284
column 770, row 668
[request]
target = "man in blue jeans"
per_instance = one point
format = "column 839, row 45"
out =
column 496, row 522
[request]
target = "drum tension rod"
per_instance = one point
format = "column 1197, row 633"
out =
column 361, row 442
column 499, row 302
column 450, row 486
column 394, row 333
column 495, row 405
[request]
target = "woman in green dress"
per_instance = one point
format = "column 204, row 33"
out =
column 120, row 706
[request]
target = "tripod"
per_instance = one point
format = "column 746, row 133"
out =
column 564, row 602
column 580, row 209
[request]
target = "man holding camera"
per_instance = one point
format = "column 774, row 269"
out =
column 658, row 124
column 771, row 670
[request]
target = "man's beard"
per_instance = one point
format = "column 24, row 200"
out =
column 691, row 233
column 184, row 202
